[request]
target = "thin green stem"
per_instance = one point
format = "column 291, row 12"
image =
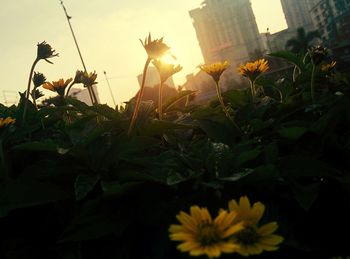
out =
column 93, row 94
column 218, row 91
column 34, row 98
column 139, row 98
column 69, row 87
column 160, row 101
column 252, row 89
column 28, row 89
column 313, row 83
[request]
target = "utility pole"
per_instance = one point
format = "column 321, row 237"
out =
column 90, row 89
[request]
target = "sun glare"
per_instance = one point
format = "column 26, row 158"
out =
column 169, row 59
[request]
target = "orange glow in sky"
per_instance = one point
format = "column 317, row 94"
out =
column 108, row 32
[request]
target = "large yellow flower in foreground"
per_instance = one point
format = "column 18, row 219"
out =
column 253, row 69
column 252, row 240
column 215, row 70
column 6, row 121
column 200, row 235
column 154, row 48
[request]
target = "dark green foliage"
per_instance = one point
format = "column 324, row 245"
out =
column 74, row 185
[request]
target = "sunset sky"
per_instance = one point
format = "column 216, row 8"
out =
column 108, row 32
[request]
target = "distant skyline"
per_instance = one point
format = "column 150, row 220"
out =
column 108, row 33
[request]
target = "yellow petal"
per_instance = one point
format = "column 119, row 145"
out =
column 268, row 248
column 232, row 205
column 196, row 214
column 228, row 247
column 213, row 251
column 197, row 252
column 242, row 250
column 206, row 215
column 234, row 229
column 177, row 229
column 244, row 205
column 254, row 249
column 181, row 237
column 257, row 212
column 267, row 229
column 187, row 221
column 271, row 240
column 188, row 246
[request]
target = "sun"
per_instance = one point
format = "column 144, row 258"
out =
column 169, row 59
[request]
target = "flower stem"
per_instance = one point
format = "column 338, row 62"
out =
column 160, row 101
column 69, row 87
column 34, row 98
column 218, row 91
column 252, row 89
column 313, row 83
column 28, row 89
column 139, row 98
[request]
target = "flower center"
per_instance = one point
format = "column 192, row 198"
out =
column 207, row 234
column 248, row 236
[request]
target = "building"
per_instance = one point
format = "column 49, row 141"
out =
column 83, row 94
column 153, row 79
column 332, row 19
column 297, row 14
column 226, row 30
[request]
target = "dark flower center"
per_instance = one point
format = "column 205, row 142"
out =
column 248, row 236
column 207, row 234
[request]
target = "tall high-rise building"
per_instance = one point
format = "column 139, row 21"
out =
column 226, row 30
column 332, row 19
column 297, row 13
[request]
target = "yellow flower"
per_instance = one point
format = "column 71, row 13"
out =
column 45, row 51
column 253, row 69
column 215, row 70
column 200, row 235
column 166, row 70
column 6, row 121
column 88, row 79
column 154, row 48
column 58, row 86
column 328, row 67
column 252, row 239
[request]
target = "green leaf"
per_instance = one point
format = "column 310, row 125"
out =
column 248, row 156
column 289, row 57
column 97, row 219
column 237, row 176
column 84, row 184
column 173, row 100
column 106, row 111
column 117, row 189
column 236, row 98
column 157, row 127
column 306, row 195
column 35, row 146
column 292, row 133
column 22, row 194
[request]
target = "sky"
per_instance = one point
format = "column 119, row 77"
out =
column 108, row 32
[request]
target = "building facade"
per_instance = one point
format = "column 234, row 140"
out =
column 226, row 30
column 332, row 19
column 297, row 14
